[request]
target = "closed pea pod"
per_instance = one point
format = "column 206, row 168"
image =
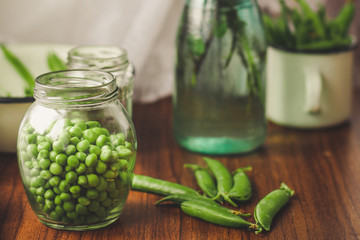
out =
column 214, row 215
column 158, row 186
column 267, row 208
column 223, row 178
column 179, row 198
column 241, row 191
column 204, row 180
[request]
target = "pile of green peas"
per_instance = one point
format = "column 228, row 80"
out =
column 80, row 176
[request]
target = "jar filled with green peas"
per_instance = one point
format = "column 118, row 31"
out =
column 111, row 59
column 76, row 150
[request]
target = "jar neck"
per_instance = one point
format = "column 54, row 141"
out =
column 105, row 58
column 75, row 88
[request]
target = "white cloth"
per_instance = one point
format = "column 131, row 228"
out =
column 145, row 28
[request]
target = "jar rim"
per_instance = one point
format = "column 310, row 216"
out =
column 98, row 57
column 75, row 87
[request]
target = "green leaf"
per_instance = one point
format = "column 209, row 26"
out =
column 55, row 63
column 21, row 69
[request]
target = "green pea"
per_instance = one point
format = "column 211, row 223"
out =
column 111, row 186
column 93, row 124
column 110, row 174
column 71, row 177
column 83, row 145
column 94, row 206
column 65, row 137
column 81, row 209
column 74, row 140
column 124, row 153
column 80, row 220
column 43, row 154
column 56, row 190
column 128, row 145
column 72, row 215
column 40, row 199
column 37, row 181
column 52, row 156
column 119, row 164
column 81, row 125
column 106, row 155
column 43, row 146
column 58, row 146
column 81, row 168
column 65, row 219
column 115, row 194
column 76, row 132
column 81, row 156
column 102, row 196
column 32, row 190
column 54, row 216
column 44, row 163
column 91, row 160
column 69, row 206
column 58, row 200
column 32, row 150
column 45, row 174
column 95, row 150
column 64, row 186
column 40, row 191
column 102, row 184
column 72, row 161
column 90, row 135
column 65, row 196
column 28, row 164
column 107, row 202
column 92, row 194
column 49, row 194
column 75, row 189
column 91, row 218
column 101, row 140
column 82, row 180
column 118, row 139
column 101, row 212
column 84, row 201
column 61, row 159
column 59, row 210
column 93, row 180
column 56, row 168
column 100, row 167
column 70, row 150
column 68, row 168
column 31, row 138
column 34, row 172
column 89, row 170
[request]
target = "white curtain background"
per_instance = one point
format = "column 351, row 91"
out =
column 146, row 28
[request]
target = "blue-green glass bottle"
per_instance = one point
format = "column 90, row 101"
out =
column 219, row 93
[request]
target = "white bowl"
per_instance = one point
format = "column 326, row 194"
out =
column 13, row 107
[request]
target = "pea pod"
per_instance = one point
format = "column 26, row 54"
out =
column 215, row 215
column 270, row 205
column 223, row 178
column 204, row 180
column 241, row 191
column 157, row 186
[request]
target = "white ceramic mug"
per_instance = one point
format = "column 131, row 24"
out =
column 309, row 90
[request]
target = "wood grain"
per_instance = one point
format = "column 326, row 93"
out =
column 322, row 166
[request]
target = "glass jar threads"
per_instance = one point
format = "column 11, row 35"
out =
column 110, row 59
column 76, row 150
column 219, row 93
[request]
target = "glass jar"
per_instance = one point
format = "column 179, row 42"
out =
column 110, row 59
column 76, row 150
column 218, row 100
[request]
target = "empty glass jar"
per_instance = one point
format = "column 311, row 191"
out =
column 76, row 150
column 110, row 59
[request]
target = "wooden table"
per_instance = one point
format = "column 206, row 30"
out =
column 322, row 166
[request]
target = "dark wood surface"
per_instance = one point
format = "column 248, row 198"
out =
column 322, row 166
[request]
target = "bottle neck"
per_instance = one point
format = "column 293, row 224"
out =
column 105, row 58
column 75, row 88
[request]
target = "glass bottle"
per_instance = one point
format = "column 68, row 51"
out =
column 110, row 59
column 76, row 150
column 218, row 100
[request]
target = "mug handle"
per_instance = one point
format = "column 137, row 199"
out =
column 313, row 90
